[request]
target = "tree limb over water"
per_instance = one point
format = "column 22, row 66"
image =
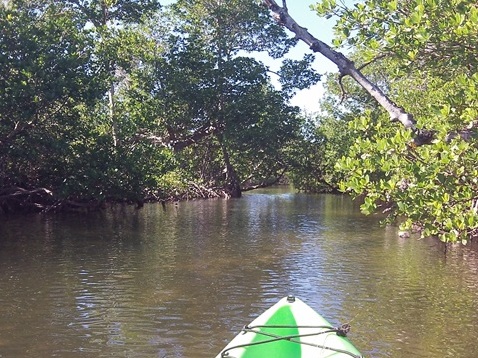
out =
column 347, row 67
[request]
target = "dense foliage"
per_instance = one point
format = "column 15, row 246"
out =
column 326, row 139
column 426, row 52
column 125, row 101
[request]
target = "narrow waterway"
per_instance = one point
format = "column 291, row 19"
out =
column 181, row 281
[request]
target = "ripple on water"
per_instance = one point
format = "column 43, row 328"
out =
column 181, row 282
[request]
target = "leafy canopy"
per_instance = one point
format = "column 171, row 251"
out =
column 427, row 57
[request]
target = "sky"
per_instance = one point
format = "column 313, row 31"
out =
column 299, row 10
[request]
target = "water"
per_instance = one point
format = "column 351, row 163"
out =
column 182, row 281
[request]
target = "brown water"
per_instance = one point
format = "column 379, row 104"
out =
column 182, row 281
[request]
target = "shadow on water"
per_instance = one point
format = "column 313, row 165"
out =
column 181, row 282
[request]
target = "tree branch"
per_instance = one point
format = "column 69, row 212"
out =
column 347, row 67
column 178, row 144
column 371, row 61
column 12, row 192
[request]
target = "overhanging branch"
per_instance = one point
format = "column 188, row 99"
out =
column 347, row 67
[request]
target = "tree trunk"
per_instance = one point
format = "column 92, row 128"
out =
column 112, row 114
column 233, row 185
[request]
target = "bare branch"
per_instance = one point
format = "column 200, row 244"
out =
column 347, row 67
column 344, row 93
column 371, row 61
column 178, row 144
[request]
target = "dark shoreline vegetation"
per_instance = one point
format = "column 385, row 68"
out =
column 133, row 102
column 16, row 200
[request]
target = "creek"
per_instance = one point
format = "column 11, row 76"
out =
column 182, row 280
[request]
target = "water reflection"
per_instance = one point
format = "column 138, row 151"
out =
column 180, row 282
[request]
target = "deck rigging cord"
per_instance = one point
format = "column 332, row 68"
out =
column 340, row 331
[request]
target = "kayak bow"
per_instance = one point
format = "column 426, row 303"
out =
column 290, row 329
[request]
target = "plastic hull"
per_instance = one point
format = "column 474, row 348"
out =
column 289, row 329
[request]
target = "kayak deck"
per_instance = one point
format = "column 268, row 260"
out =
column 290, row 329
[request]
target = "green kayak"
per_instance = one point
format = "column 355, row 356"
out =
column 290, row 329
